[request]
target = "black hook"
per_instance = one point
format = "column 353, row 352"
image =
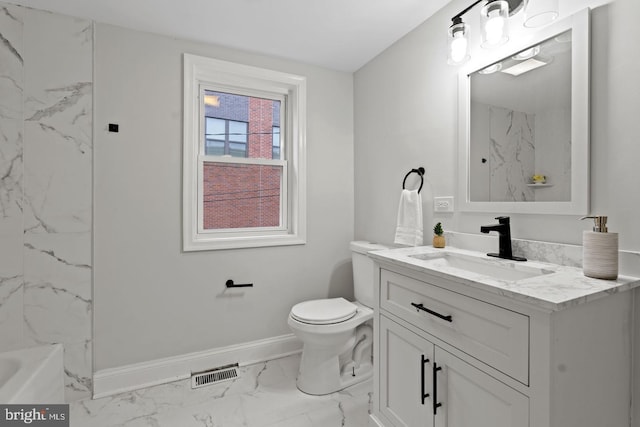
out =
column 419, row 171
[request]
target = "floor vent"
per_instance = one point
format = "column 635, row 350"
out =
column 214, row 376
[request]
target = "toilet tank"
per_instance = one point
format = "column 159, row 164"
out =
column 363, row 280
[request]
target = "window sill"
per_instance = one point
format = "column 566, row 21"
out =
column 221, row 243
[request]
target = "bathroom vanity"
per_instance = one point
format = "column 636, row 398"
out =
column 467, row 341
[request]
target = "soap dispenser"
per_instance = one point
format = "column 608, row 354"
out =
column 600, row 251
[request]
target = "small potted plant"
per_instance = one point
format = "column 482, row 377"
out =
column 438, row 238
column 539, row 179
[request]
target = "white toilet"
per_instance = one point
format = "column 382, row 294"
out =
column 337, row 341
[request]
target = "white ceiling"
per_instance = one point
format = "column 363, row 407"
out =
column 338, row 34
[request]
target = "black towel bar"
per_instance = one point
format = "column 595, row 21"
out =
column 419, row 171
column 229, row 284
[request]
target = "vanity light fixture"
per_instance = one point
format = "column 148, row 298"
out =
column 458, row 43
column 494, row 22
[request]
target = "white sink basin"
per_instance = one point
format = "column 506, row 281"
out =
column 490, row 267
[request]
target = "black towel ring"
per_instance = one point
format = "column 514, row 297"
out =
column 419, row 171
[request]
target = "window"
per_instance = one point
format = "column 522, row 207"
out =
column 225, row 137
column 244, row 157
column 275, row 143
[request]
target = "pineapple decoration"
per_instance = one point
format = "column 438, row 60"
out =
column 438, row 238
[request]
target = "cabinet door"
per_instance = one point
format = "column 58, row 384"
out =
column 405, row 363
column 470, row 397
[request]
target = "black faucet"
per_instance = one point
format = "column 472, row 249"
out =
column 504, row 230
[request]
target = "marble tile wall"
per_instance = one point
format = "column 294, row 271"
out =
column 553, row 153
column 517, row 146
column 512, row 160
column 11, row 154
column 45, row 186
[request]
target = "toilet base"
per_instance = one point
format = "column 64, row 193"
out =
column 322, row 371
column 317, row 382
column 334, row 356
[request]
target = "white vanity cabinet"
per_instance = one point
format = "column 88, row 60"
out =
column 416, row 377
column 450, row 355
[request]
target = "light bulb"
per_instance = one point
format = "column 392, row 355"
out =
column 493, row 20
column 458, row 43
column 458, row 49
column 494, row 29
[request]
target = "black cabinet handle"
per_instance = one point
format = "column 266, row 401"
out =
column 436, row 404
column 423, row 395
column 423, row 308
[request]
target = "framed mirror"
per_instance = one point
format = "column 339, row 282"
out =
column 524, row 124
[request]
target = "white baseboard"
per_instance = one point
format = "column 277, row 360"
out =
column 112, row 381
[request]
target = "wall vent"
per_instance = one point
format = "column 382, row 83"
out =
column 214, row 376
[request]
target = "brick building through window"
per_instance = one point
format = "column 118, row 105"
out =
column 240, row 195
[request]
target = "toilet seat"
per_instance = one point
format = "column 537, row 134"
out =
column 324, row 311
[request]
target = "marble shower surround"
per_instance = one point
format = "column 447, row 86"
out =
column 507, row 139
column 512, row 161
column 518, row 145
column 11, row 154
column 46, row 114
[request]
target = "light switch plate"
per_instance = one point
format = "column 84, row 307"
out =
column 443, row 204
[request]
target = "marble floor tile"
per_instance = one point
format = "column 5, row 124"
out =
column 264, row 395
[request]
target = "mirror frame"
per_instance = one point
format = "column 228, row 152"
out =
column 578, row 23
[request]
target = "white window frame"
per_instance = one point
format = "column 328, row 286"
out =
column 202, row 73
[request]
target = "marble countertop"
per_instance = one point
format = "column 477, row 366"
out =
column 552, row 287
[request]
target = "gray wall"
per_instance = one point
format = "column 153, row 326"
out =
column 152, row 300
column 406, row 116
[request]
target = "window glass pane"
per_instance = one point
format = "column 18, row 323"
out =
column 214, row 128
column 241, row 195
column 239, row 118
column 237, row 131
column 213, row 147
column 276, row 143
column 238, row 149
column 276, row 114
column 226, row 106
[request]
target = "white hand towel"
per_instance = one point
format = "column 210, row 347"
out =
column 409, row 229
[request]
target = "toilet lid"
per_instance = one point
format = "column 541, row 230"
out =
column 324, row 311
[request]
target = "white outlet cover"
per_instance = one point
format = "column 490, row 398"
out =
column 443, row 204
